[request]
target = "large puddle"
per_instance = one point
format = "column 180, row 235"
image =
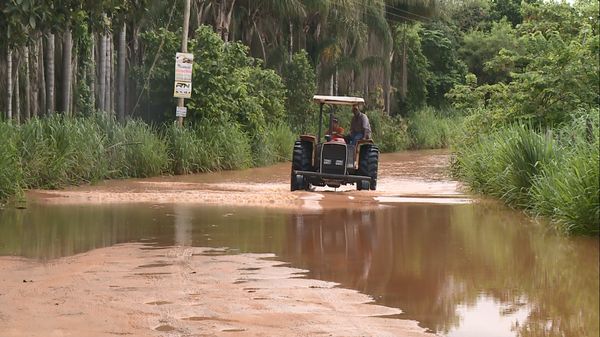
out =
column 458, row 268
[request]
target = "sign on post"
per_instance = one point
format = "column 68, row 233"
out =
column 183, row 89
column 183, row 75
column 181, row 111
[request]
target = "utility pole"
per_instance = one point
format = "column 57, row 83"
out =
column 184, row 43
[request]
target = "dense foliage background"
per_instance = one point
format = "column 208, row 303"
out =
column 511, row 86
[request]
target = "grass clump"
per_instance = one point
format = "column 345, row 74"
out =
column 144, row 152
column 11, row 175
column 504, row 164
column 568, row 189
column 57, row 151
column 428, row 129
column 273, row 146
column 550, row 174
column 185, row 149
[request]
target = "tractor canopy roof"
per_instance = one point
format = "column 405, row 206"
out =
column 338, row 100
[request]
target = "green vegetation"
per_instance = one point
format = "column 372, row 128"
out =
column 56, row 152
column 10, row 168
column 501, row 82
column 543, row 75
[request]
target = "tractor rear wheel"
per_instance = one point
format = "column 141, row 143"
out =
column 301, row 161
column 368, row 164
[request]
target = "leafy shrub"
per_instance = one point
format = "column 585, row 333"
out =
column 389, row 133
column 300, row 80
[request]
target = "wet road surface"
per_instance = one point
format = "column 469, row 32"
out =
column 458, row 267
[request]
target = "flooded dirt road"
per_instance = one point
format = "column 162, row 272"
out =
column 179, row 256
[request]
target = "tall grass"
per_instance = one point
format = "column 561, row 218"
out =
column 555, row 176
column 568, row 189
column 11, row 175
column 274, row 145
column 143, row 150
column 428, row 129
column 56, row 152
column 186, row 151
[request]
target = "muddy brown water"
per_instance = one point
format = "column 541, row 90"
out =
column 459, row 268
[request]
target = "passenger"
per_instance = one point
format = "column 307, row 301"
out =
column 359, row 126
column 336, row 132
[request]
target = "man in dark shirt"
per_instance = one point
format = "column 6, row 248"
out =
column 359, row 126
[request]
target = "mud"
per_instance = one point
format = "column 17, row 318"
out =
column 404, row 177
column 184, row 291
column 181, row 292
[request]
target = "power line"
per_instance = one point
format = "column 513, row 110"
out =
column 407, row 12
column 395, row 18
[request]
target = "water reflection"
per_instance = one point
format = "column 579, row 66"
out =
column 461, row 270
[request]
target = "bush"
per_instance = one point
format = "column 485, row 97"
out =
column 300, row 80
column 388, row 133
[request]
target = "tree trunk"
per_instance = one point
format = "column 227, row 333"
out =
column 107, row 84
column 67, row 71
column 74, row 79
column 404, row 74
column 9, row 84
column 224, row 18
column 41, row 77
column 33, row 78
column 102, row 73
column 291, row 42
column 262, row 42
column 27, row 108
column 17, row 112
column 121, row 73
column 50, row 74
column 110, row 79
column 336, row 79
column 331, row 85
column 133, row 62
column 90, row 71
column 387, row 73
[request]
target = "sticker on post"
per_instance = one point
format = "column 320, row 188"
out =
column 183, row 89
column 183, row 67
column 181, row 111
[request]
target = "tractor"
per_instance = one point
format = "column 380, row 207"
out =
column 332, row 161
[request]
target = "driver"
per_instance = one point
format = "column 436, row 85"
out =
column 359, row 126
